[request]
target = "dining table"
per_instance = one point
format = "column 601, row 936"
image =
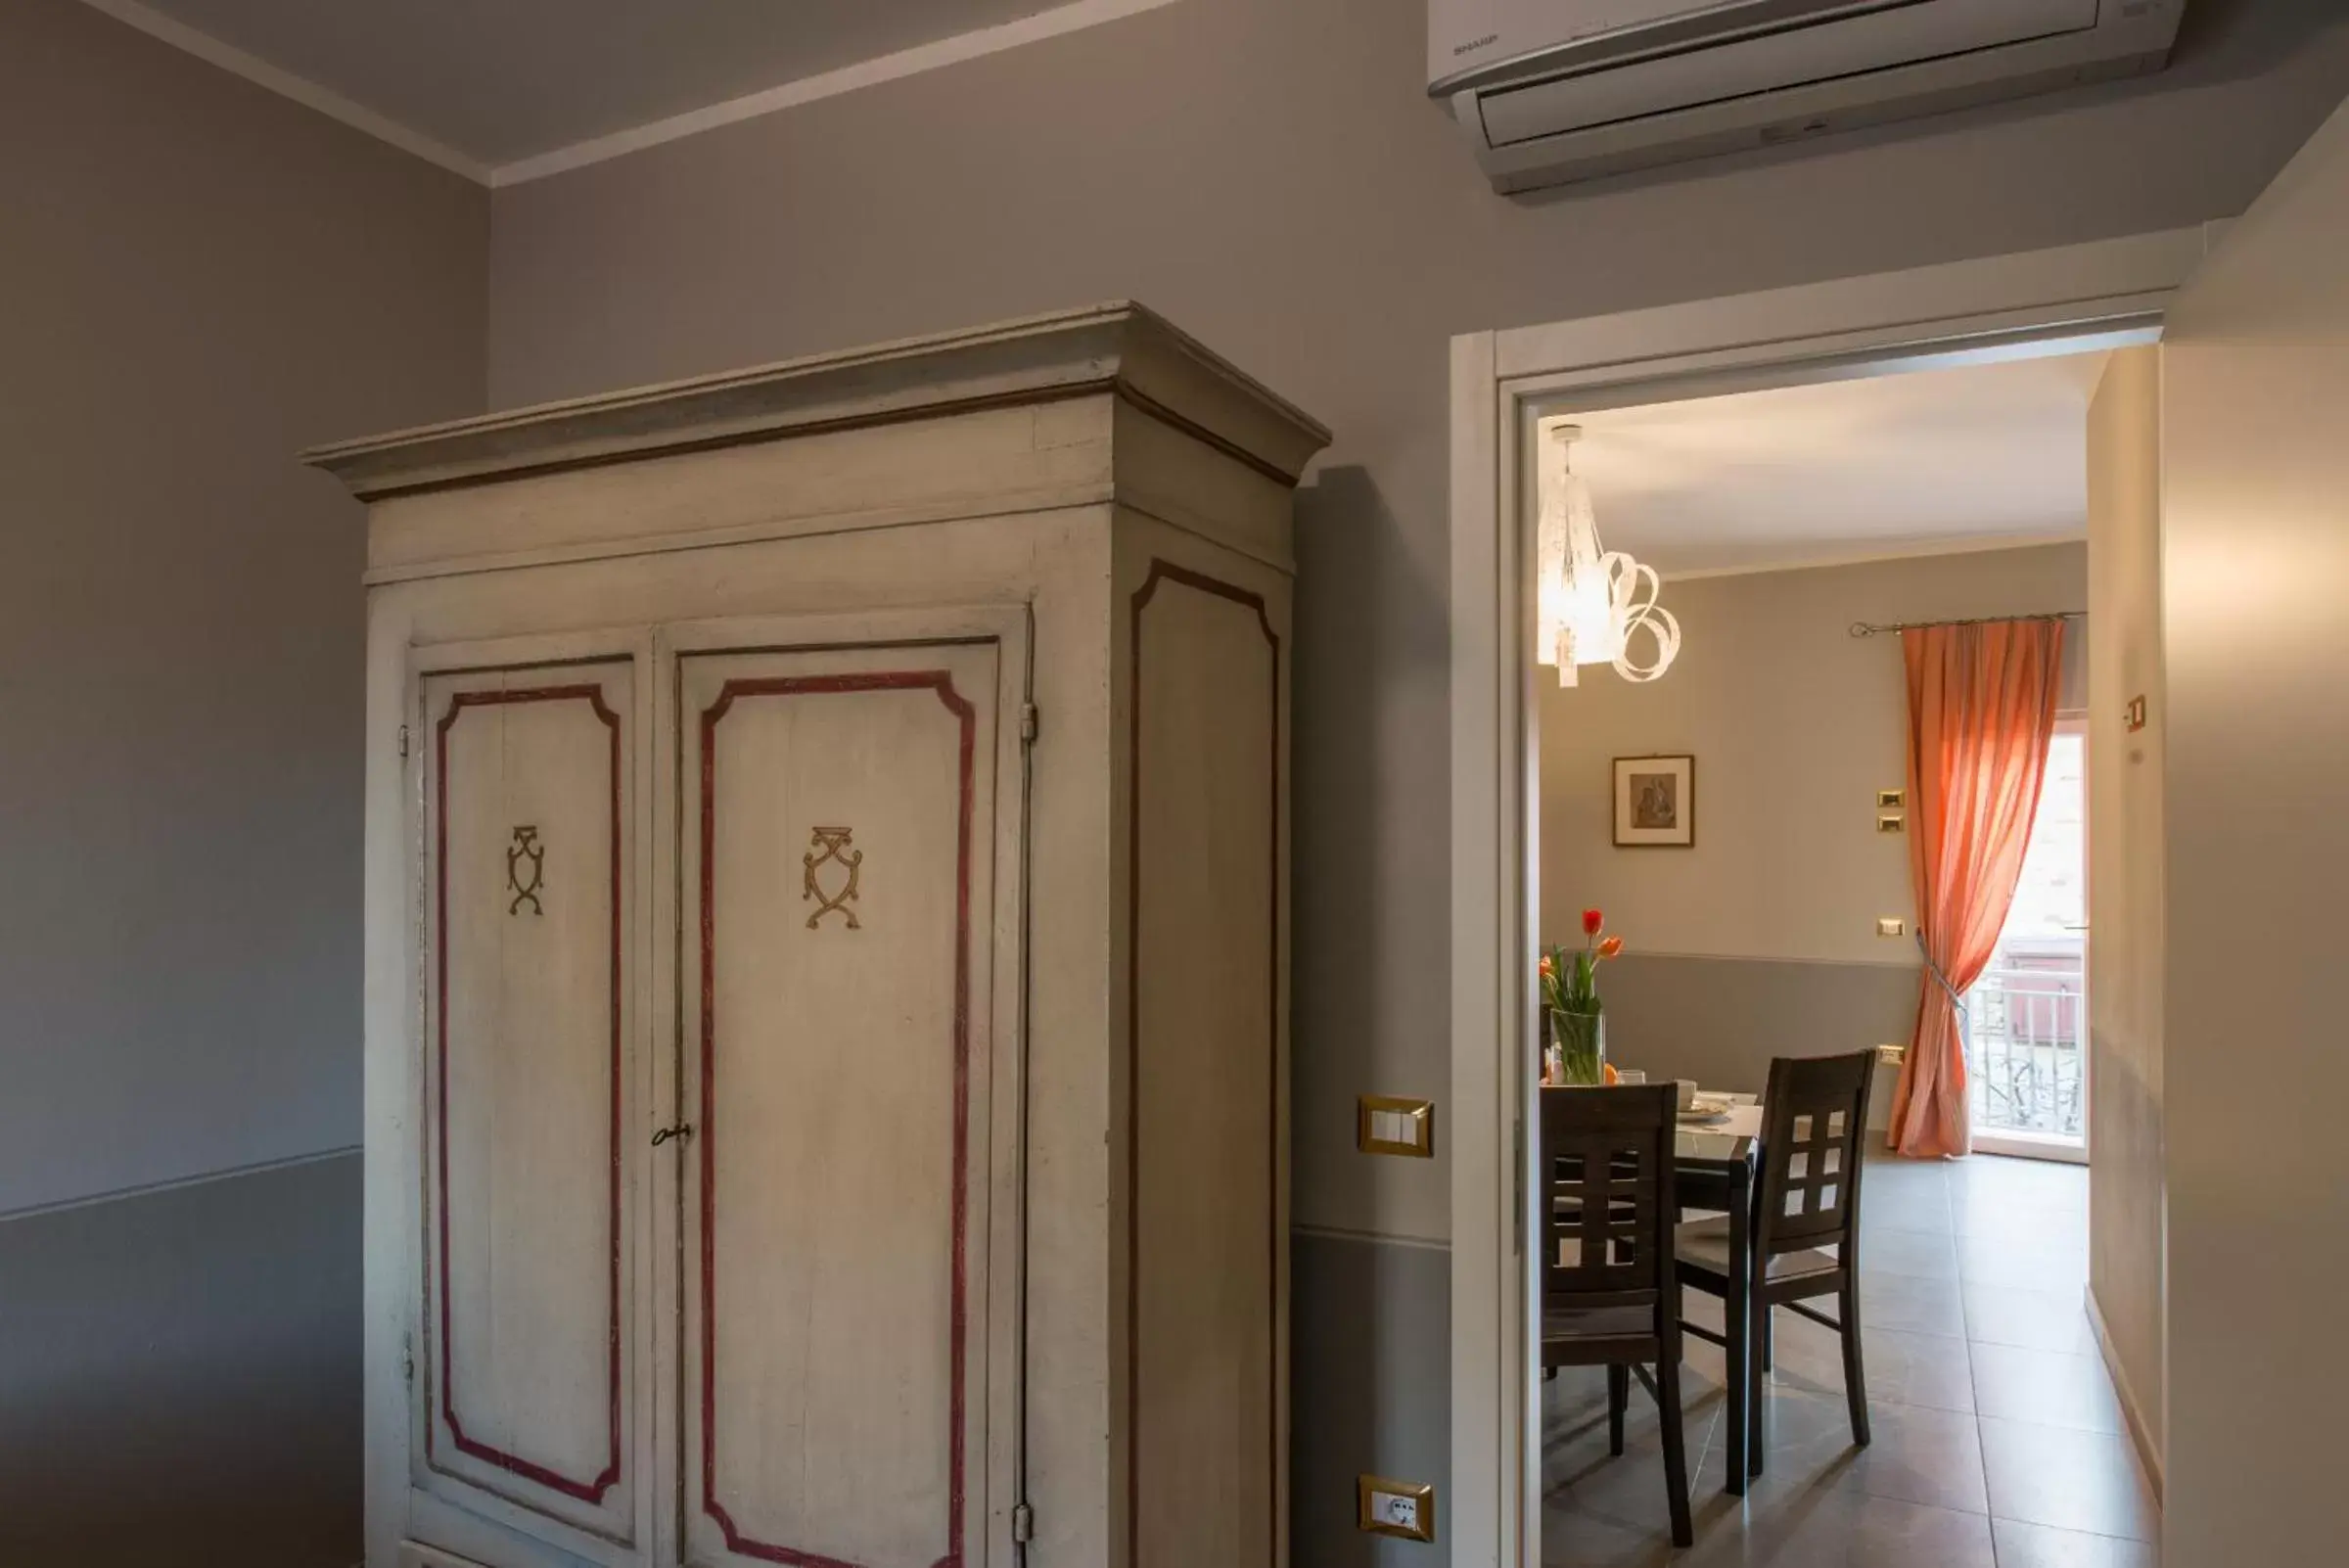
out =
column 1715, row 1164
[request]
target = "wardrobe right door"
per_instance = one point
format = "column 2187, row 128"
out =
column 838, row 841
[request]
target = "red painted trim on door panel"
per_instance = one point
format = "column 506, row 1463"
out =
column 942, row 683
column 1167, row 571
column 591, row 1492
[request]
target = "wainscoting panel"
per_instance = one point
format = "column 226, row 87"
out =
column 1371, row 1388
column 179, row 1369
column 1721, row 1020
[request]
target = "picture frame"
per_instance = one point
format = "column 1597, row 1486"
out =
column 1655, row 803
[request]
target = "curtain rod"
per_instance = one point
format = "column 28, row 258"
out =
column 1861, row 628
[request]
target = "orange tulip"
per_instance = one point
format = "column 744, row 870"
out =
column 1546, row 970
column 1612, row 947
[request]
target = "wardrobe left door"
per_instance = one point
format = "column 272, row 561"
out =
column 526, row 1405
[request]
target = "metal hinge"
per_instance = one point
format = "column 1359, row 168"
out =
column 1517, row 1191
column 1027, row 722
column 1023, row 1524
column 403, row 740
column 407, row 1360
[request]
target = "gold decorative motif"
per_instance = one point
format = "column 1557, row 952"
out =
column 526, row 852
column 829, row 843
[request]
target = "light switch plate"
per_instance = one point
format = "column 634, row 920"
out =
column 1891, row 823
column 1889, row 927
column 1891, row 799
column 1402, row 1508
column 1386, row 1124
column 1892, row 1055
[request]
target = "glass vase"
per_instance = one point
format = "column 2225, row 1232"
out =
column 1579, row 1044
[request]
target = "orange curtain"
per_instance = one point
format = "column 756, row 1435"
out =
column 1981, row 718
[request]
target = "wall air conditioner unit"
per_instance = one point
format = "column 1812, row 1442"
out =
column 1556, row 91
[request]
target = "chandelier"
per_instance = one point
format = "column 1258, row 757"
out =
column 1593, row 602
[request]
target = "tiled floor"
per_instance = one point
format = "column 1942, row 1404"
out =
column 1998, row 1442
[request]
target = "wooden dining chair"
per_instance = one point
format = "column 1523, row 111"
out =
column 1813, row 1120
column 1608, row 1294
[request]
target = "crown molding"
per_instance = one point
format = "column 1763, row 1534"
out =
column 1071, row 17
column 1074, row 17
column 1889, row 551
column 301, row 89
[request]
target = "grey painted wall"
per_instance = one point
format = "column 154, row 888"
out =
column 199, row 278
column 1720, row 1020
column 1795, row 726
column 1761, row 940
column 179, row 1376
column 1270, row 175
column 2255, row 546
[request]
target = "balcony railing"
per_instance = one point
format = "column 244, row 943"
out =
column 2025, row 1038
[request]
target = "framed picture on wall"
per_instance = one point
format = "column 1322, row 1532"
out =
column 1655, row 803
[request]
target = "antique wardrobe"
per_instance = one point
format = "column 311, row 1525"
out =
column 827, row 955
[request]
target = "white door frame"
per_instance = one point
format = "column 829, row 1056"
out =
column 2102, row 293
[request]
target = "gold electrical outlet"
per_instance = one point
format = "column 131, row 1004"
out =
column 1891, row 799
column 1384, row 1123
column 1892, row 824
column 1892, row 1055
column 1889, row 927
column 1402, row 1508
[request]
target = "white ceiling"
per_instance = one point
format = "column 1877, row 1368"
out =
column 1846, row 470
column 500, row 82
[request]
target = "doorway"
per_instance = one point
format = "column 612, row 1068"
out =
column 1741, row 822
column 2084, row 299
column 2026, row 1018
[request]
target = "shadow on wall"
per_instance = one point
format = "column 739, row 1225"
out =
column 1371, row 1335
column 1370, row 949
column 179, row 1376
column 1369, row 623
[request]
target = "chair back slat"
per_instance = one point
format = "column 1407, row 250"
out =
column 1607, row 1197
column 1815, row 1122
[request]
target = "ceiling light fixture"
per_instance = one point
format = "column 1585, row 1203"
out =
column 1591, row 601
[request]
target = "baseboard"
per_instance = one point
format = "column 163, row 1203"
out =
column 2140, row 1431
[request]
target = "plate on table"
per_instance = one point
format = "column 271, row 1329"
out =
column 1708, row 1110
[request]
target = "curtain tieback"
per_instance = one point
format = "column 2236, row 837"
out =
column 1931, row 968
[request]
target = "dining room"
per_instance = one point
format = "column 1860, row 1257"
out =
column 1812, row 786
